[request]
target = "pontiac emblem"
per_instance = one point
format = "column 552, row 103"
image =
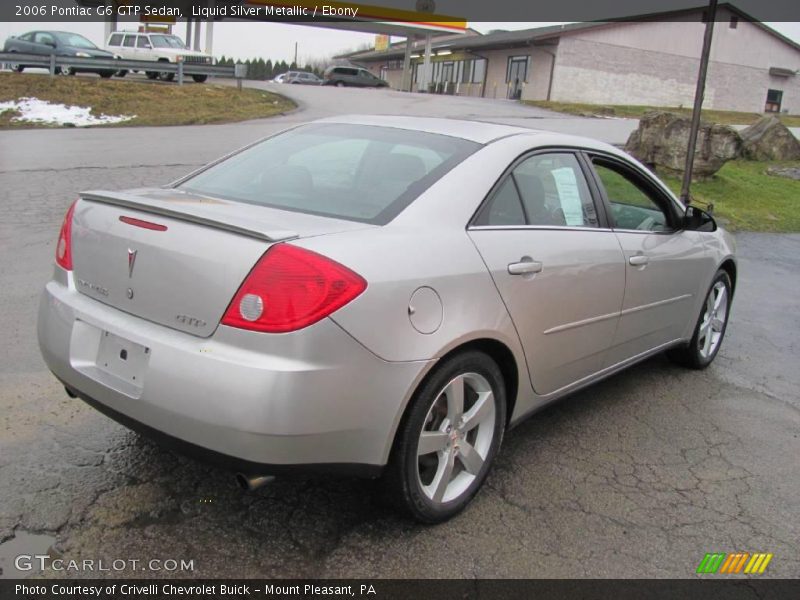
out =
column 131, row 261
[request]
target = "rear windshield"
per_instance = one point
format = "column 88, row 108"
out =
column 354, row 172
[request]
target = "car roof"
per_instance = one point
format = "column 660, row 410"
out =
column 482, row 132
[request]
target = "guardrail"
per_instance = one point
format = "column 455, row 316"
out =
column 55, row 63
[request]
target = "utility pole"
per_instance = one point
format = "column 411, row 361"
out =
column 711, row 16
column 295, row 54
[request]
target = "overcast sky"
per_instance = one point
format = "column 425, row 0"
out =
column 276, row 40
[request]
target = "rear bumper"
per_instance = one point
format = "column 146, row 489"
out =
column 260, row 403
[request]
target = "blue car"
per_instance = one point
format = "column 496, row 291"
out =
column 60, row 43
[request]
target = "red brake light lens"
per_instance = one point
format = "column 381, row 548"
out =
column 291, row 288
column 64, row 245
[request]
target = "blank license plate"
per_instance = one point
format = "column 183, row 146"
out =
column 122, row 358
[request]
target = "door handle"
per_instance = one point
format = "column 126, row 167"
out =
column 525, row 267
column 638, row 260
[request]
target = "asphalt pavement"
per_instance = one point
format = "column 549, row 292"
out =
column 638, row 476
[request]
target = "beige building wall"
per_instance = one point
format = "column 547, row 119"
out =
column 649, row 63
column 656, row 64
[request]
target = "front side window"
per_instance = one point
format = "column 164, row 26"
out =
column 44, row 38
column 355, row 172
column 544, row 190
column 130, row 41
column 634, row 206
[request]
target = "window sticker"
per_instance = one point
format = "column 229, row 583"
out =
column 569, row 196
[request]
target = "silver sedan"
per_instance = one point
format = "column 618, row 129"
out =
column 378, row 296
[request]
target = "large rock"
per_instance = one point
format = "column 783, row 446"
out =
column 769, row 139
column 662, row 138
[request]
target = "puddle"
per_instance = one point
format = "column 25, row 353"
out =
column 29, row 544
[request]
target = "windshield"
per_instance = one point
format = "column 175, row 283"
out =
column 167, row 41
column 74, row 40
column 355, row 172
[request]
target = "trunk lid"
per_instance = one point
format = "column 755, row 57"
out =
column 183, row 272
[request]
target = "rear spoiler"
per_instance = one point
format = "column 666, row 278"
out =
column 207, row 214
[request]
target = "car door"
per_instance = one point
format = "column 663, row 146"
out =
column 664, row 263
column 143, row 47
column 558, row 267
column 128, row 48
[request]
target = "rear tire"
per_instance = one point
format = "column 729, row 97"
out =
column 151, row 74
column 107, row 74
column 442, row 454
column 340, row 84
column 199, row 78
column 709, row 330
column 17, row 68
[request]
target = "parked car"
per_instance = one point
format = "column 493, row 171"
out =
column 351, row 76
column 279, row 78
column 60, row 43
column 378, row 296
column 157, row 47
column 303, row 78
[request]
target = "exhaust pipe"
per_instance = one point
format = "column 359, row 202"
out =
column 253, row 482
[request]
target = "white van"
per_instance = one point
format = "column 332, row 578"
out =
column 157, row 47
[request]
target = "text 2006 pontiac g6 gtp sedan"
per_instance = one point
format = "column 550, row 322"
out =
column 378, row 296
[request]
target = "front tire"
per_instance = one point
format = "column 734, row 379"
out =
column 199, row 78
column 710, row 328
column 340, row 84
column 448, row 439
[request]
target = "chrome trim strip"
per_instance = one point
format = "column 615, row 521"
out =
column 629, row 311
column 647, row 232
column 590, row 320
column 543, row 227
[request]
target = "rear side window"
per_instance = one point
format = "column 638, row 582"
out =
column 130, row 41
column 116, row 40
column 543, row 190
column 355, row 172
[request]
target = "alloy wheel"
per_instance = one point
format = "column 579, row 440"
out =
column 456, row 437
column 713, row 323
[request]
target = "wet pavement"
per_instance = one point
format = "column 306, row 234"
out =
column 638, row 476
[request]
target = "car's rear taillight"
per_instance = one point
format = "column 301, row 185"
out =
column 64, row 246
column 291, row 288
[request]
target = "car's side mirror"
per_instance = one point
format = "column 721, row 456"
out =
column 696, row 219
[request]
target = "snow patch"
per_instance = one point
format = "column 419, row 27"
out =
column 34, row 110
